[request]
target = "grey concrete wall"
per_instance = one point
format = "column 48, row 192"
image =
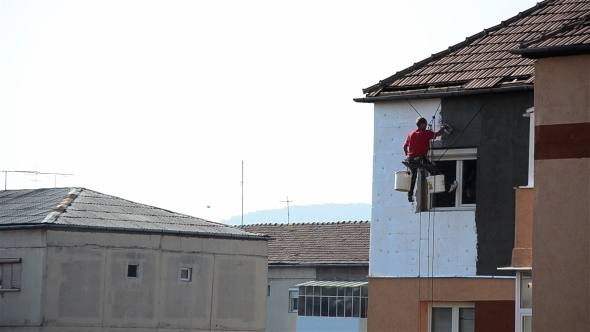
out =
column 23, row 308
column 280, row 280
column 87, row 288
column 500, row 133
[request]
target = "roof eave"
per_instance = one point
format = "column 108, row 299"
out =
column 552, row 51
column 135, row 230
column 446, row 94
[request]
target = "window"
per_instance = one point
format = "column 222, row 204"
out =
column 185, row 274
column 293, row 299
column 458, row 165
column 524, row 301
column 452, row 317
column 268, row 290
column 333, row 301
column 132, row 271
column 10, row 271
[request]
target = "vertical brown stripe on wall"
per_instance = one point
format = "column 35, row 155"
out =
column 494, row 316
column 562, row 141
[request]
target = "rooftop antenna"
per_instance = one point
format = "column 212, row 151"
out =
column 32, row 172
column 288, row 201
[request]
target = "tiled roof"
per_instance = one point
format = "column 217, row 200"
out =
column 316, row 243
column 484, row 60
column 84, row 208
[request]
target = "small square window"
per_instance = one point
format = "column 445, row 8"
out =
column 132, row 271
column 186, row 274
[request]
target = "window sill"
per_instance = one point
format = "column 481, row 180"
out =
column 452, row 209
column 9, row 289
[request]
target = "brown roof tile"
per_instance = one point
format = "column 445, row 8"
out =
column 316, row 243
column 485, row 61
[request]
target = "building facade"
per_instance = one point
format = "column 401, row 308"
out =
column 73, row 259
column 315, row 256
column 434, row 264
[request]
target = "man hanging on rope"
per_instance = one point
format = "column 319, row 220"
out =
column 416, row 148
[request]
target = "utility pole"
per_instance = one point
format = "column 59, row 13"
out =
column 288, row 201
column 242, row 184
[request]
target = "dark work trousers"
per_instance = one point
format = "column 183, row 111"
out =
column 414, row 164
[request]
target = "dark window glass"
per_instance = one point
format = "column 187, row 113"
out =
column 356, row 312
column 449, row 169
column 364, row 307
column 309, row 306
column 329, row 291
column 332, row 306
column 442, row 319
column 340, row 306
column 348, row 306
column 469, row 176
column 325, row 306
column 316, row 305
column 301, row 308
column 132, row 271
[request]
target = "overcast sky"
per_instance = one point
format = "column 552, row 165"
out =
column 159, row 102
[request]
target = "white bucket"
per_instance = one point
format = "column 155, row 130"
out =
column 436, row 184
column 403, row 181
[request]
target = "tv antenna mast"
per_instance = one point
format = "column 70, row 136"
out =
column 35, row 173
column 288, row 214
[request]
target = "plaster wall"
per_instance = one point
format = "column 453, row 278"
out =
column 400, row 304
column 522, row 255
column 280, row 279
column 23, row 308
column 561, row 260
column 333, row 324
column 86, row 287
column 403, row 243
column 561, row 233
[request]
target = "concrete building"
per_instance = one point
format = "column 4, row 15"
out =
column 434, row 263
column 328, row 254
column 560, row 298
column 73, row 259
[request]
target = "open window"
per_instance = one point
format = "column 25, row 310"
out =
column 459, row 167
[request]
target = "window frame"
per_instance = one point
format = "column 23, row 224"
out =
column 136, row 271
column 12, row 267
column 458, row 155
column 333, row 301
column 455, row 307
column 293, row 295
column 189, row 274
column 522, row 312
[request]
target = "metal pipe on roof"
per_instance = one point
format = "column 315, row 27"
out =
column 444, row 94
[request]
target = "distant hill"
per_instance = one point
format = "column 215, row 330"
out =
column 306, row 213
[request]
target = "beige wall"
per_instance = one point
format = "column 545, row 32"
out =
column 86, row 284
column 400, row 304
column 280, row 279
column 561, row 244
column 522, row 253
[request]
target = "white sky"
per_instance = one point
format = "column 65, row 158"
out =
column 159, row 102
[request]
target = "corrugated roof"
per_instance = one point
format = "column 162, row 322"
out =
column 320, row 283
column 316, row 243
column 84, row 208
column 484, row 60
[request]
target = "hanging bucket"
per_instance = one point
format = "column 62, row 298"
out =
column 403, row 181
column 436, row 184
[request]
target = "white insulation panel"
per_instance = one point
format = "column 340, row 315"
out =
column 405, row 243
